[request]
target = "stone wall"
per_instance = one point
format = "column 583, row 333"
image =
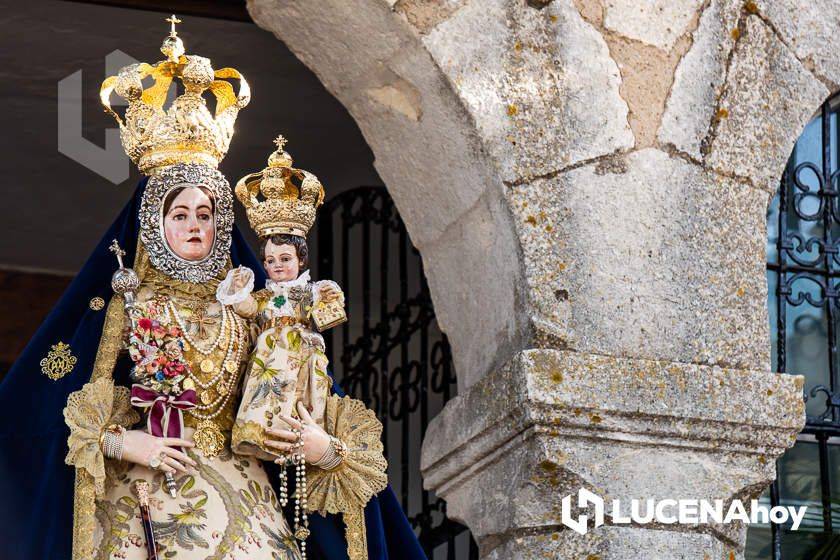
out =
column 587, row 182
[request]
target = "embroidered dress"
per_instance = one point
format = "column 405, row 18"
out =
column 227, row 509
column 288, row 363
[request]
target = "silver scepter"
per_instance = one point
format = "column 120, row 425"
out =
column 124, row 282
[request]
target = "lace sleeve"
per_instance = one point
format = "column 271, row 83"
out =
column 225, row 292
column 96, row 405
column 361, row 475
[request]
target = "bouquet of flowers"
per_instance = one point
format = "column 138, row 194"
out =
column 157, row 352
column 162, row 378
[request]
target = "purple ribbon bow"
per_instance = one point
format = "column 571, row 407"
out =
column 160, row 422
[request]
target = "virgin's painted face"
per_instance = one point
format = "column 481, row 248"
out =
column 281, row 262
column 189, row 225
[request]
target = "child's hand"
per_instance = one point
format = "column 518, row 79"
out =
column 328, row 294
column 240, row 279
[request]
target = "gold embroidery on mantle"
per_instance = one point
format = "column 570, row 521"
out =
column 110, row 342
column 58, row 362
column 354, row 530
column 84, row 501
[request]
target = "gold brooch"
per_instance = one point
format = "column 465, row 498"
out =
column 59, row 361
column 97, row 304
column 208, row 438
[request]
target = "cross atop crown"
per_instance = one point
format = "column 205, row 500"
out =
column 173, row 20
column 280, row 142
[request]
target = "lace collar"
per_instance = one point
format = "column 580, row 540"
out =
column 279, row 287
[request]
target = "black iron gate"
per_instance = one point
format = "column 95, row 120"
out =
column 390, row 353
column 803, row 272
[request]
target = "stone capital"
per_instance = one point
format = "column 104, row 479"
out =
column 504, row 453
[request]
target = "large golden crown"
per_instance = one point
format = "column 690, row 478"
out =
column 291, row 196
column 186, row 132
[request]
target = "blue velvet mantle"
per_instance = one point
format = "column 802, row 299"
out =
column 36, row 487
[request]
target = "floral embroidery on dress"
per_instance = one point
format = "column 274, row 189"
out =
column 226, row 510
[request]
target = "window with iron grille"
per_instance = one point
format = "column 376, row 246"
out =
column 390, row 353
column 803, row 275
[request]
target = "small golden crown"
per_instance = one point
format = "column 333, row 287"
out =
column 186, row 132
column 291, row 196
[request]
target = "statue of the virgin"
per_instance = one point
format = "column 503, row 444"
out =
column 115, row 421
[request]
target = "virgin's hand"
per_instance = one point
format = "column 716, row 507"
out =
column 315, row 439
column 140, row 447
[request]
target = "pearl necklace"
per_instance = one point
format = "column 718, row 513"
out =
column 230, row 325
column 221, row 401
column 174, row 311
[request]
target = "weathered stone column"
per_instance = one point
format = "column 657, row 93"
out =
column 587, row 181
column 506, row 452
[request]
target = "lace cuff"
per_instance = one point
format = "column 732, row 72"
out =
column 97, row 404
column 225, row 292
column 316, row 290
column 361, row 475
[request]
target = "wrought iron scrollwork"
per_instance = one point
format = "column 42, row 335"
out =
column 805, row 270
column 390, row 353
column 829, row 415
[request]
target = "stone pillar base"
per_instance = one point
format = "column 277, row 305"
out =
column 505, row 453
column 616, row 542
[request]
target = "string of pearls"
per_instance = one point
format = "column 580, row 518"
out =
column 301, row 520
column 205, row 352
column 232, row 327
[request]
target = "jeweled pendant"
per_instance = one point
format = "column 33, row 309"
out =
column 208, row 438
column 301, row 533
column 207, row 365
column 231, row 366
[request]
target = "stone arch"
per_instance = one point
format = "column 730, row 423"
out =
column 632, row 244
column 472, row 109
column 429, row 156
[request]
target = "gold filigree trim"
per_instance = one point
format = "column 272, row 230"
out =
column 361, row 475
column 84, row 516
column 58, row 362
column 355, row 531
column 110, row 344
column 96, row 405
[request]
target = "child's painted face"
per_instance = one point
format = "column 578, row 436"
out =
column 281, row 262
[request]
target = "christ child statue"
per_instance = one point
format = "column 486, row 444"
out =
column 288, row 364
